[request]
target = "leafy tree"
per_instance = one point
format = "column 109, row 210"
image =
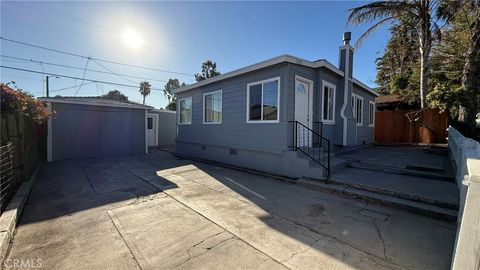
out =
column 395, row 69
column 145, row 89
column 419, row 12
column 471, row 69
column 209, row 70
column 456, row 64
column 171, row 85
column 15, row 100
column 116, row 95
column 172, row 106
column 447, row 63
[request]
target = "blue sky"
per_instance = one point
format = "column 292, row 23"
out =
column 178, row 37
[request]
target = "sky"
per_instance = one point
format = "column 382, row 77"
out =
column 173, row 38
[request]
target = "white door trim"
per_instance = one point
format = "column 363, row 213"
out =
column 310, row 102
column 310, row 97
column 155, row 120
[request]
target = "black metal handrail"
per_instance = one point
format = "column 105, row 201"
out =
column 312, row 144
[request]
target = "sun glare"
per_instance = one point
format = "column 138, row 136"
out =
column 132, row 39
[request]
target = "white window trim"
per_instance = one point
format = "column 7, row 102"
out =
column 355, row 96
column 278, row 102
column 178, row 114
column 330, row 85
column 221, row 108
column 373, row 114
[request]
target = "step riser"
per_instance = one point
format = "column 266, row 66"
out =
column 400, row 171
column 397, row 194
column 400, row 195
column 344, row 191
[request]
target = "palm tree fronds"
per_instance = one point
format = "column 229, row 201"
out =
column 372, row 29
column 377, row 10
column 436, row 32
column 448, row 9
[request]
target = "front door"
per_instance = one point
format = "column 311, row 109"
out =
column 152, row 129
column 303, row 110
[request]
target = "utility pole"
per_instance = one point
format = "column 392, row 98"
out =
column 46, row 86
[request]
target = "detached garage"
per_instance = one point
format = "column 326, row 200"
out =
column 86, row 127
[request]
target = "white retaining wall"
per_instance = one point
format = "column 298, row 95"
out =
column 465, row 156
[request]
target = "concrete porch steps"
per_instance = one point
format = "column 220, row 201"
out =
column 433, row 175
column 424, row 208
column 411, row 188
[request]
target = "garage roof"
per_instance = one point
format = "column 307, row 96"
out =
column 95, row 101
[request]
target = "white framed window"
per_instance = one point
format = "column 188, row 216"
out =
column 357, row 106
column 263, row 101
column 328, row 102
column 185, row 111
column 371, row 113
column 212, row 107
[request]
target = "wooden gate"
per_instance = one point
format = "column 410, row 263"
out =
column 411, row 126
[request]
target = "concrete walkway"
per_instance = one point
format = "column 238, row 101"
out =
column 160, row 212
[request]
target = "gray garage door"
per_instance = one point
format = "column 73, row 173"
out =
column 88, row 131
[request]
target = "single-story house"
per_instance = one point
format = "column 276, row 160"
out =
column 282, row 116
column 86, row 127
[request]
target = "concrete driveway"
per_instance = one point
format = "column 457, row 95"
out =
column 160, row 212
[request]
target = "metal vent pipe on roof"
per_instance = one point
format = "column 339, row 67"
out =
column 347, row 36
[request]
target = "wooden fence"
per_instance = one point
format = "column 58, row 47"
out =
column 411, row 126
column 23, row 147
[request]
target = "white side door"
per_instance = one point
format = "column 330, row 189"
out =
column 152, row 129
column 303, row 110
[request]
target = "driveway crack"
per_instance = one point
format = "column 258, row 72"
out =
column 206, row 249
column 381, row 238
column 303, row 250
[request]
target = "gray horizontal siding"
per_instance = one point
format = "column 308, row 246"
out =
column 364, row 132
column 331, row 132
column 234, row 131
column 167, row 127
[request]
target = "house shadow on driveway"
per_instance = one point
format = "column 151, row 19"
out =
column 288, row 224
column 334, row 232
column 66, row 187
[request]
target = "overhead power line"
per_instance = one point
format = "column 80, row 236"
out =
column 93, row 58
column 78, row 68
column 75, row 78
column 116, row 74
column 83, row 77
column 70, row 87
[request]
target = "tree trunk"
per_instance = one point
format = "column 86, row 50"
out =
column 424, row 77
column 471, row 79
column 425, row 47
column 143, row 100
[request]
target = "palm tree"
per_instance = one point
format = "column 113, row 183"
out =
column 419, row 11
column 209, row 70
column 145, row 89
